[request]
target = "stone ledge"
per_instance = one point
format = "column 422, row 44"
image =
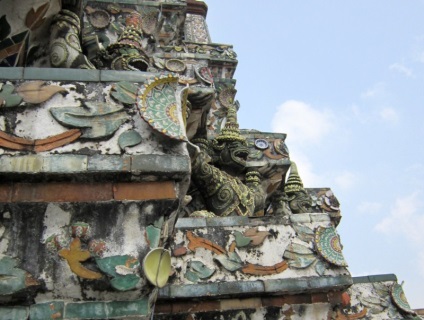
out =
column 375, row 278
column 86, row 192
column 273, row 286
column 75, row 163
column 78, row 310
column 236, row 221
column 233, row 221
column 197, row 7
column 173, row 307
column 67, row 74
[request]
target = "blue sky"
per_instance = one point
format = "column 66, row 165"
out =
column 345, row 81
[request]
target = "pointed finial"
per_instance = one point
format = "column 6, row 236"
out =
column 231, row 131
column 294, row 182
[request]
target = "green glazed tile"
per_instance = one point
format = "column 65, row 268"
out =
column 117, row 309
column 86, row 310
column 300, row 218
column 160, row 164
column 195, row 290
column 11, row 73
column 61, row 74
column 382, row 278
column 129, row 76
column 13, row 313
column 236, row 287
column 109, row 163
column 65, row 163
column 49, row 310
column 300, row 285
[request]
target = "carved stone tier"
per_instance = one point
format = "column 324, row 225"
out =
column 373, row 297
column 221, row 257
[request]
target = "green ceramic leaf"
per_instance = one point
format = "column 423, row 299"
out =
column 370, row 301
column 124, row 283
column 201, row 270
column 122, row 270
column 299, row 256
column 304, row 233
column 125, row 92
column 232, row 262
column 298, row 248
column 381, row 289
column 8, row 98
column 153, row 236
column 320, row 267
column 12, row 279
column 96, row 119
column 241, row 240
column 299, row 261
column 108, row 265
column 191, row 276
column 129, row 138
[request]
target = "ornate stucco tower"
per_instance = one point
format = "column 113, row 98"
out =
column 128, row 189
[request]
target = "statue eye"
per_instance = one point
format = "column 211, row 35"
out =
column 261, row 144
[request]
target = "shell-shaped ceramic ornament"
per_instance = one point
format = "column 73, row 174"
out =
column 204, row 74
column 99, row 19
column 399, row 299
column 160, row 108
column 157, row 266
column 175, row 65
column 328, row 245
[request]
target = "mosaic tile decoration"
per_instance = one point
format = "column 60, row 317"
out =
column 399, row 298
column 159, row 108
column 175, row 65
column 328, row 245
column 204, row 73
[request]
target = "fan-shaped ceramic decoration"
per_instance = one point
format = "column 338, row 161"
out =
column 160, row 109
column 328, row 245
column 204, row 73
column 226, row 96
column 149, row 22
column 157, row 266
column 399, row 299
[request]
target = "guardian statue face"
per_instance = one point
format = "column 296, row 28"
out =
column 232, row 157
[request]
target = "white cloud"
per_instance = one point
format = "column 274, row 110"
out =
column 406, row 218
column 376, row 91
column 362, row 116
column 398, row 67
column 369, row 207
column 421, row 57
column 389, row 115
column 345, row 180
column 421, row 263
column 305, row 168
column 303, row 123
column 372, row 114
